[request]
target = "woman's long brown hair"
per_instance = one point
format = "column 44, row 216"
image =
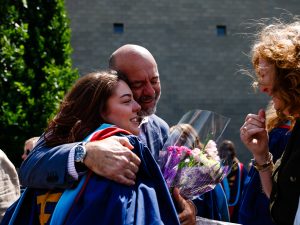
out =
column 79, row 112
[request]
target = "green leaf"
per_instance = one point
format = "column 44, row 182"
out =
column 35, row 69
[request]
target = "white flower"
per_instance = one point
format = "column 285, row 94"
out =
column 211, row 150
column 196, row 154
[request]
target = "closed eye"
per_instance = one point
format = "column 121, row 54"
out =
column 136, row 85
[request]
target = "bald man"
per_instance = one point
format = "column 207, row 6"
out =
column 111, row 158
column 140, row 68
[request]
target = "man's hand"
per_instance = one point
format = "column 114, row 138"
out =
column 113, row 159
column 187, row 215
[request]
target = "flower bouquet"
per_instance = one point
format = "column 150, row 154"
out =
column 190, row 159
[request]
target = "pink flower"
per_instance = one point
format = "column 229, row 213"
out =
column 196, row 154
column 170, row 148
column 189, row 152
column 211, row 150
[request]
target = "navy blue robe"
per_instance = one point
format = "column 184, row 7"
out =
column 97, row 200
column 254, row 209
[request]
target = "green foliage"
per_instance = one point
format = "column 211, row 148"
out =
column 35, row 69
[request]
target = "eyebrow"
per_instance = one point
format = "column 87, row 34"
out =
column 143, row 80
column 126, row 95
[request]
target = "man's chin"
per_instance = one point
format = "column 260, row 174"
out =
column 147, row 112
column 148, row 108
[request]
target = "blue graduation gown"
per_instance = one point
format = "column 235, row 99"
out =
column 103, row 201
column 254, row 209
column 97, row 200
column 213, row 204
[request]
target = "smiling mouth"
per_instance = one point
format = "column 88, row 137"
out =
column 136, row 119
column 147, row 99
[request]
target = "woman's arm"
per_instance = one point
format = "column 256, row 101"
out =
column 254, row 135
column 265, row 167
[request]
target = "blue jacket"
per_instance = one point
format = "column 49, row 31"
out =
column 154, row 133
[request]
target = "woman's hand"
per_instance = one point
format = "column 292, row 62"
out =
column 254, row 135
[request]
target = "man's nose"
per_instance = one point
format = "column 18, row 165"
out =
column 149, row 90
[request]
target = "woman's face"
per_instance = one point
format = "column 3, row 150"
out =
column 266, row 76
column 121, row 109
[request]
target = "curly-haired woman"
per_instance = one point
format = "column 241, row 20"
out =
column 276, row 59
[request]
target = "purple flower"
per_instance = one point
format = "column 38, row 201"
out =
column 195, row 171
column 189, row 159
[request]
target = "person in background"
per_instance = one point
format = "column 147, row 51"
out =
column 233, row 184
column 28, row 146
column 9, row 184
column 254, row 209
column 55, row 167
column 275, row 57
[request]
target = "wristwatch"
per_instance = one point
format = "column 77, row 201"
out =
column 80, row 153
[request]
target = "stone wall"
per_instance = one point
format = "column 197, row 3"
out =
column 198, row 68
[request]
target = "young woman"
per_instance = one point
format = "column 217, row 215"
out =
column 101, row 100
column 276, row 59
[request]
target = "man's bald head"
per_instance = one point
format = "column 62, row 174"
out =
column 140, row 68
column 128, row 54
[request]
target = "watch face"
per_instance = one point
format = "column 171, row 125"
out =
column 79, row 153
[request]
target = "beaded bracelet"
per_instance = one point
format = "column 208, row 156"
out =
column 266, row 166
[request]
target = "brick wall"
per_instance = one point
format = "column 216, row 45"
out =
column 198, row 69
